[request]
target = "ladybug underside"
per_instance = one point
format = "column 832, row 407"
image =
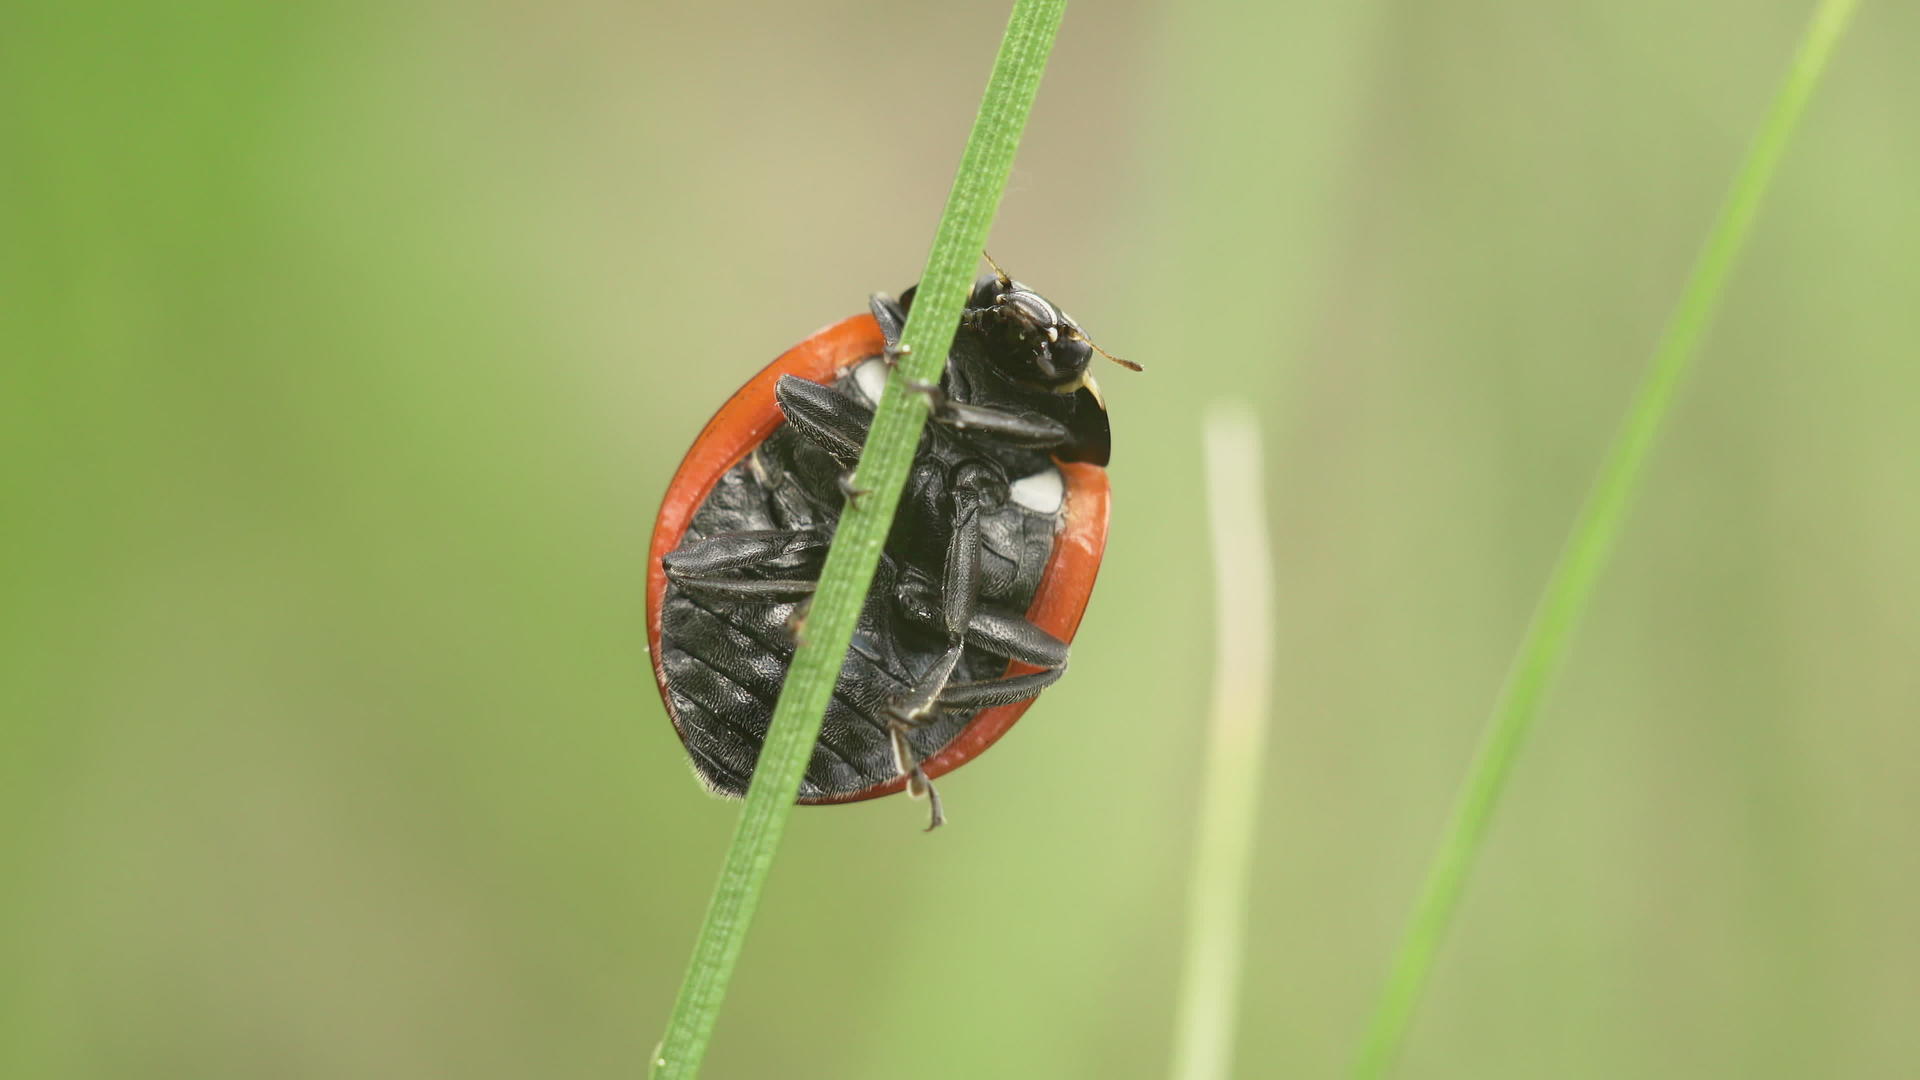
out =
column 726, row 651
column 945, row 624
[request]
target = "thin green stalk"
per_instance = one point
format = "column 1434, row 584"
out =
column 1588, row 548
column 957, row 243
column 1236, row 745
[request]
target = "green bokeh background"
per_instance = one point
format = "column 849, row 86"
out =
column 349, row 347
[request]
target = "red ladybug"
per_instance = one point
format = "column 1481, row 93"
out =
column 983, row 578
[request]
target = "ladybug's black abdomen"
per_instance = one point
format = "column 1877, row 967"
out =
column 725, row 654
column 725, row 660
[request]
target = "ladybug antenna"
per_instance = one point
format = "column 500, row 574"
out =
column 1128, row 364
column 999, row 273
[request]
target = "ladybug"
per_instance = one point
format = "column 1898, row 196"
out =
column 982, row 580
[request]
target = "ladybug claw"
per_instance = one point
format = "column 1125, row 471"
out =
column 908, row 764
column 797, row 620
column 895, row 352
column 918, row 785
column 936, row 397
column 845, row 482
column 892, row 319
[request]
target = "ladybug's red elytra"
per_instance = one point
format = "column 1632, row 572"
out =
column 983, row 579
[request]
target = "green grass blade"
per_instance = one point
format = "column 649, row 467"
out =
column 958, row 241
column 1236, row 746
column 1588, row 548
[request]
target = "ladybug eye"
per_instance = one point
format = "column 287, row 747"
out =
column 987, row 291
column 1071, row 355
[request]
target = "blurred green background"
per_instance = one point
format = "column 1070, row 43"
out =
column 349, row 348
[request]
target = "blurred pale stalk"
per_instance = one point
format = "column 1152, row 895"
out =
column 1236, row 744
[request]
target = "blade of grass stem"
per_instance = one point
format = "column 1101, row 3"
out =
column 1589, row 545
column 1236, row 746
column 958, row 241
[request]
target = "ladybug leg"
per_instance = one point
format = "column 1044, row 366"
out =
column 714, row 564
column 1010, row 636
column 976, row 488
column 959, row 600
column 911, row 713
column 741, row 550
column 847, row 487
column 838, row 424
column 960, row 588
column 1016, row 639
column 765, row 588
column 1004, row 691
column 1022, row 429
column 830, row 420
column 827, row 418
column 918, row 785
column 889, row 314
column 892, row 318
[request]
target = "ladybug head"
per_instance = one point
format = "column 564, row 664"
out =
column 1025, row 338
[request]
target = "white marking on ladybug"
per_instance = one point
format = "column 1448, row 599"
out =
column 871, row 377
column 1042, row 493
